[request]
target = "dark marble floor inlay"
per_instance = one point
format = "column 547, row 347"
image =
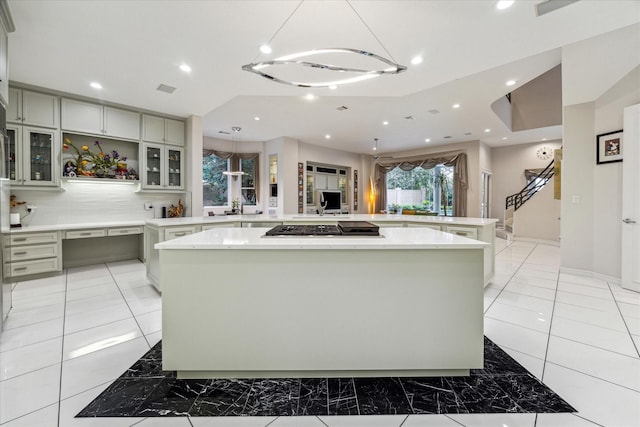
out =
column 145, row 390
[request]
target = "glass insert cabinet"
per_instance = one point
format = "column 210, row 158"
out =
column 32, row 155
column 163, row 167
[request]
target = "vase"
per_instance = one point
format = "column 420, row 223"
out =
column 102, row 172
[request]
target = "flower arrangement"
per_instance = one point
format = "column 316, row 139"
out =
column 98, row 164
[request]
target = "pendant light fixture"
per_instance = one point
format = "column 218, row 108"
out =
column 235, row 161
column 344, row 74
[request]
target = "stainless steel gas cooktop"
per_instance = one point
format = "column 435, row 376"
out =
column 343, row 228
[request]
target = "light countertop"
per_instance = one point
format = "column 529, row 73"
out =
column 254, row 238
column 167, row 222
column 79, row 226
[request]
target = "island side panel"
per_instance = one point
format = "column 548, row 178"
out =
column 322, row 310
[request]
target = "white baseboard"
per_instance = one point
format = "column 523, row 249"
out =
column 587, row 273
column 531, row 239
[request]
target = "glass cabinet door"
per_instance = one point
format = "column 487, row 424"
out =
column 10, row 151
column 174, row 168
column 154, row 166
column 38, row 157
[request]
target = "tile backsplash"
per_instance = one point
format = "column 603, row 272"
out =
column 88, row 202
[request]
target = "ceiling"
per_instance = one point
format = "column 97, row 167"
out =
column 470, row 50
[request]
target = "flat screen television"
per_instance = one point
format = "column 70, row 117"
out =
column 331, row 200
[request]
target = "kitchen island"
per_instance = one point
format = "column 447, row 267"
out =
column 238, row 304
column 160, row 230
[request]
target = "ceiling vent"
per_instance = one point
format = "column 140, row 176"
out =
column 166, row 88
column 409, row 117
column 549, row 6
column 434, row 111
column 224, row 132
column 447, row 137
column 342, row 108
column 467, row 133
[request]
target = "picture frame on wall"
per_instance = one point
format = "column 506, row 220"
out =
column 609, row 147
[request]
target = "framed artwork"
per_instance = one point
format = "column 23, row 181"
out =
column 609, row 147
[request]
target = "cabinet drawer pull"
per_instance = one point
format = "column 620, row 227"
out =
column 123, row 231
column 19, row 268
column 180, row 234
column 86, row 234
column 20, row 253
column 20, row 239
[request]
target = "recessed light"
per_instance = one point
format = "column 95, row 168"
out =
column 504, row 4
column 511, row 82
column 256, row 118
column 185, row 68
column 455, row 106
column 385, row 123
column 333, row 87
column 544, row 139
column 265, row 48
column 95, row 85
column 504, row 138
column 309, row 97
column 427, row 140
column 327, row 136
column 487, row 130
column 416, row 60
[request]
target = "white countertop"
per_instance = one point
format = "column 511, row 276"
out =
column 390, row 238
column 167, row 222
column 79, row 226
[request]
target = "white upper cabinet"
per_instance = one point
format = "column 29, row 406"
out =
column 85, row 117
column 32, row 108
column 81, row 116
column 121, row 123
column 162, row 130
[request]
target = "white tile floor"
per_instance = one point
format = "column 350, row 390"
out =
column 70, row 336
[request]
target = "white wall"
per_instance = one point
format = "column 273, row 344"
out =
column 508, row 178
column 193, row 178
column 591, row 222
column 607, row 178
column 539, row 217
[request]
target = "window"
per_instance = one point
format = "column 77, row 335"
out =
column 424, row 189
column 248, row 188
column 215, row 191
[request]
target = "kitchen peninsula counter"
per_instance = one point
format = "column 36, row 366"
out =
column 239, row 304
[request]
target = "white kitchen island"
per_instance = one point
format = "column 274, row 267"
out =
column 238, row 304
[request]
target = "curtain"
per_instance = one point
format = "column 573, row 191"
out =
column 460, row 179
column 235, row 164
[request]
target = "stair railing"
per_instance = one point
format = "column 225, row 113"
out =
column 533, row 186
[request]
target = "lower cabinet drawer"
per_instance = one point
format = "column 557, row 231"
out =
column 23, row 253
column 31, row 238
column 23, row 268
column 174, row 233
column 124, row 231
column 85, row 234
column 469, row 232
column 432, row 226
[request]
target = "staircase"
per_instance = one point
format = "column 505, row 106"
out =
column 515, row 201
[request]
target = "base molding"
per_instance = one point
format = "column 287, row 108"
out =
column 588, row 273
